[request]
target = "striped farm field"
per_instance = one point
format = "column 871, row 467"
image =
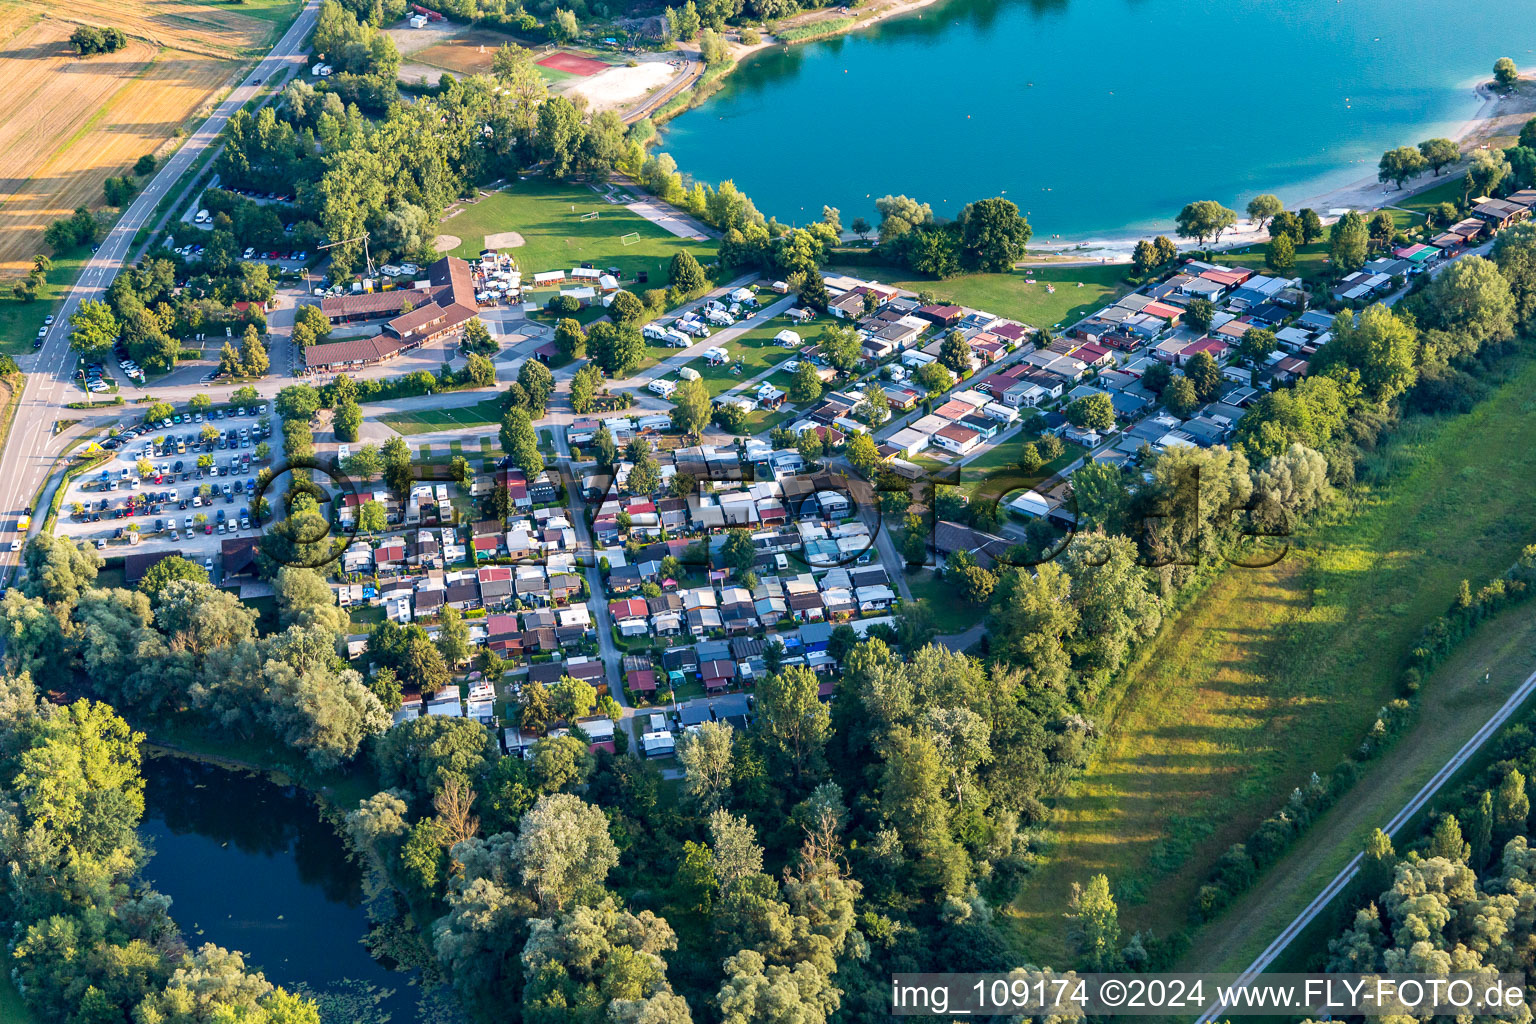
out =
column 78, row 122
column 72, row 122
column 218, row 30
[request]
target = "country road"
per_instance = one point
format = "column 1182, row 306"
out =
column 1404, row 814
column 32, row 448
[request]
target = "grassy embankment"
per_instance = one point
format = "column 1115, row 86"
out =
column 1273, row 674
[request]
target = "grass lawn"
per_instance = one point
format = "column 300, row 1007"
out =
column 556, row 238
column 999, row 468
column 753, row 352
column 1275, row 673
column 1012, row 295
column 950, row 613
column 1451, row 190
column 19, row 321
column 1312, row 262
column 426, row 421
column 13, row 1009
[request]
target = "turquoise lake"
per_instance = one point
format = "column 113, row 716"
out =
column 1096, row 116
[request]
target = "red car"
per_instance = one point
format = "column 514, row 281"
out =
column 207, row 527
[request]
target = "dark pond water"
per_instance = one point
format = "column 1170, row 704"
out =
column 252, row 866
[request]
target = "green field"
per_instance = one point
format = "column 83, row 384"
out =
column 1012, row 295
column 1001, row 463
column 556, row 238
column 1451, row 190
column 1273, row 674
column 427, row 421
column 13, row 1010
column 1312, row 262
column 19, row 321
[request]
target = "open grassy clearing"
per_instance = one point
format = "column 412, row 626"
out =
column 995, row 473
column 1450, row 190
column 1456, row 702
column 753, row 351
column 1272, row 674
column 1312, row 261
column 548, row 216
column 1012, row 295
column 19, row 321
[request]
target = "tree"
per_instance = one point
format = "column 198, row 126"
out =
column 793, row 718
column 626, row 309
column 420, row 755
column 1256, row 345
column 686, row 274
column 992, row 235
column 707, row 761
column 478, row 339
column 955, row 354
column 1097, row 921
column 861, row 228
column 254, row 361
column 1445, row 841
column 166, row 571
column 738, row 552
column 862, row 453
column 520, row 442
column 346, row 421
column 1092, row 412
column 365, row 462
column 1467, row 306
column 841, row 346
column 297, row 402
column 453, row 636
column 1280, row 254
column 1143, row 258
column 934, row 378
column 757, row 992
column 570, row 339
column 1029, row 459
column 1439, row 153
column 1204, row 219
column 538, row 382
column 1399, row 164
column 1349, row 242
column 1031, row 616
column 596, row 964
column 573, row 698
column 644, row 473
column 1485, row 171
column 1511, row 809
column 805, row 386
column 585, row 385
column 1505, row 73
column 1514, row 252
column 618, row 350
column 690, row 407
column 564, row 850
column 1200, row 313
column 95, row 329
column 1311, row 225
column 1262, row 207
column 59, row 570
column 1205, row 375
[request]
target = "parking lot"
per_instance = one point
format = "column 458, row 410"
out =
column 195, row 493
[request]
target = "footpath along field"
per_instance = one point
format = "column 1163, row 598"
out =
column 1273, row 674
column 69, row 122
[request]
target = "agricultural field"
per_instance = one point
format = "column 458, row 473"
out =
column 548, row 218
column 74, row 122
column 1023, row 295
column 1273, row 674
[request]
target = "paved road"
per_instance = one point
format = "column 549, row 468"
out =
column 1340, row 881
column 32, row 449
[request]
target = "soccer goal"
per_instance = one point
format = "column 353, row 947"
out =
column 592, row 215
column 631, row 238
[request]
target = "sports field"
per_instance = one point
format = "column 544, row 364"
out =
column 1273, row 674
column 471, row 53
column 427, row 421
column 555, row 237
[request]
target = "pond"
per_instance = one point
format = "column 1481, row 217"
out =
column 1096, row 116
column 251, row 865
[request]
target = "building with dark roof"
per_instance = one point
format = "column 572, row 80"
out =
column 444, row 306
